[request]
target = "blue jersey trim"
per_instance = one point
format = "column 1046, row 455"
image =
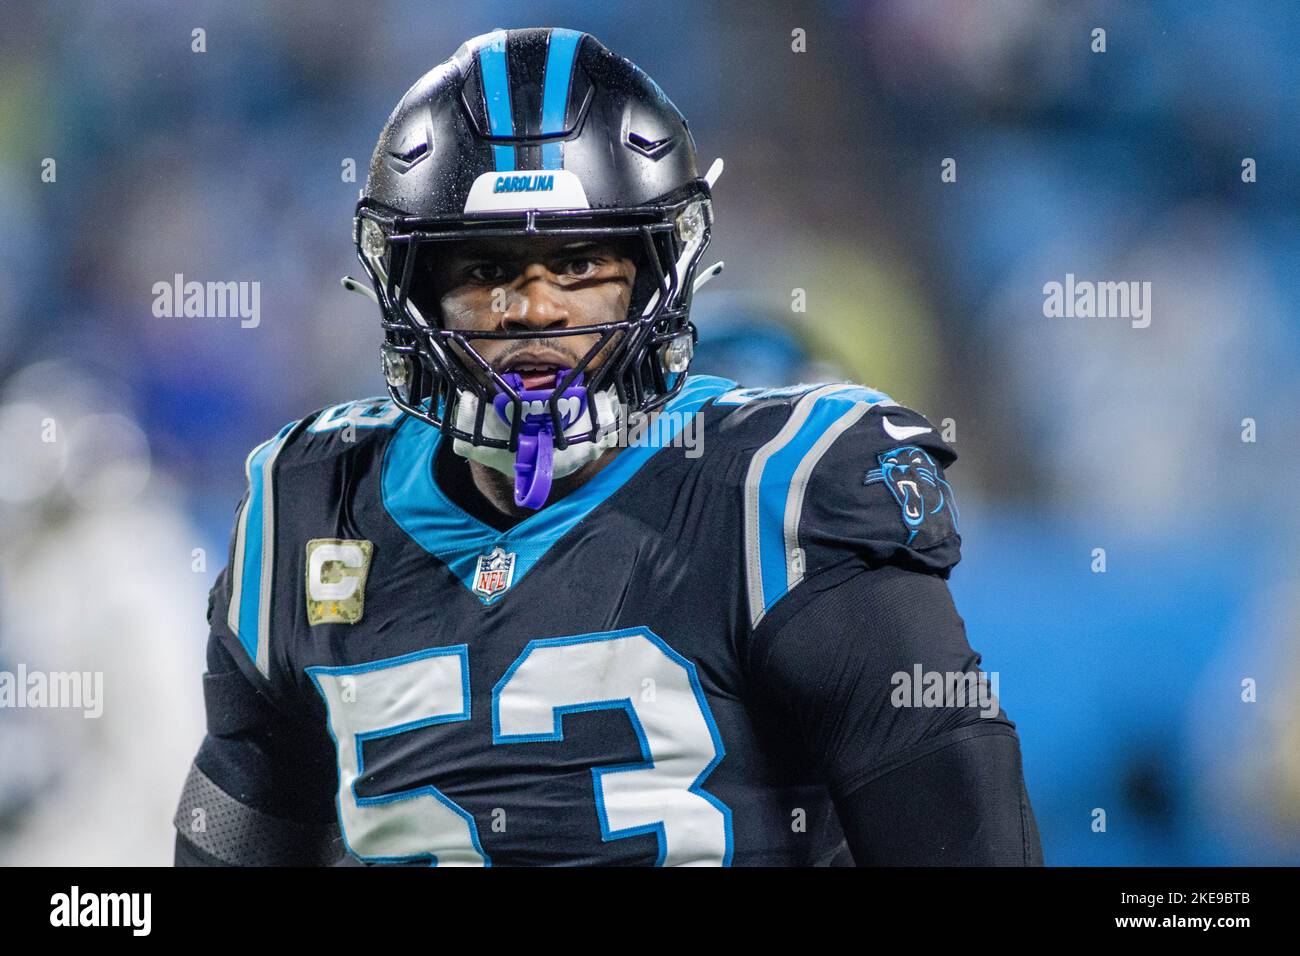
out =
column 259, row 546
column 778, row 474
column 413, row 499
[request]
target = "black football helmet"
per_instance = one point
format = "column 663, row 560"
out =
column 534, row 132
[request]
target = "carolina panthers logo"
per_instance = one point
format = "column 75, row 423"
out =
column 913, row 479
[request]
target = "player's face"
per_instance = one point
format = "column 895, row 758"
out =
column 541, row 284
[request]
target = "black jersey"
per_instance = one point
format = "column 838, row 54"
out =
column 623, row 676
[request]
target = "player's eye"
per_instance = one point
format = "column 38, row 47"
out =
column 485, row 272
column 580, row 267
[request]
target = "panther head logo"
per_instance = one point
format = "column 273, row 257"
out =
column 913, row 479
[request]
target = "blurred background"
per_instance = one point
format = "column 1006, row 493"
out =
column 1074, row 434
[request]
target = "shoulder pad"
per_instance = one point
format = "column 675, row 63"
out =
column 841, row 470
column 328, row 432
column 338, row 429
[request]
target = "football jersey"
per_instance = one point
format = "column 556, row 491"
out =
column 575, row 689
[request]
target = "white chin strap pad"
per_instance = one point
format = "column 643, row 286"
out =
column 565, row 461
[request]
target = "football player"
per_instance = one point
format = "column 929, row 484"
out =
column 556, row 600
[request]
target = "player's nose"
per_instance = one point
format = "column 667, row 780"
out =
column 535, row 302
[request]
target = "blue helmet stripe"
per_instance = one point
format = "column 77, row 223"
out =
column 496, row 90
column 555, row 92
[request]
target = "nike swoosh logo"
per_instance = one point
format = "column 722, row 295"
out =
column 902, row 432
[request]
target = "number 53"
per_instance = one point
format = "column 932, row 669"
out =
column 553, row 677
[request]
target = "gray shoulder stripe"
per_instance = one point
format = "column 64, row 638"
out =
column 268, row 562
column 236, row 571
column 753, row 483
column 799, row 487
column 252, row 568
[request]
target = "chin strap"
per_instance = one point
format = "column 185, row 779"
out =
column 535, row 457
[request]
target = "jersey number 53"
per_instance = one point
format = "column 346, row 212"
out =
column 553, row 677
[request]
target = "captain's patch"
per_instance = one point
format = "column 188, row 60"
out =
column 336, row 580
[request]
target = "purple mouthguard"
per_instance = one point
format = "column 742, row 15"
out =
column 534, row 458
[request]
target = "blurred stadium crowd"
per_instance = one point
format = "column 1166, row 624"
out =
column 1074, row 434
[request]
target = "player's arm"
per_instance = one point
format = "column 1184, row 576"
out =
column 261, row 788
column 854, row 486
column 260, row 791
column 913, row 785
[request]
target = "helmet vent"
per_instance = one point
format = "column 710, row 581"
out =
column 410, row 150
column 412, row 154
column 653, row 148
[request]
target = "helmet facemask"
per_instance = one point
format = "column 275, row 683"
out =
column 635, row 365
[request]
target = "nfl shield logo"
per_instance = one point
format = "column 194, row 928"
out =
column 495, row 573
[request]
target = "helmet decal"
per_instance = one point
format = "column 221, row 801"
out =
column 496, row 90
column 555, row 93
column 526, row 189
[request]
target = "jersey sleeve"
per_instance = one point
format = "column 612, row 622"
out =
column 848, row 474
column 247, row 606
column 261, row 788
column 265, row 776
column 298, row 483
column 871, row 671
column 880, row 489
